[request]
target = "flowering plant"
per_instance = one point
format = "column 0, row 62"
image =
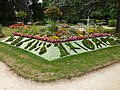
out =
column 56, row 39
column 18, row 26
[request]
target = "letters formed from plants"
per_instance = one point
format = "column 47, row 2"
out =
column 51, row 51
column 17, row 40
column 10, row 39
column 89, row 44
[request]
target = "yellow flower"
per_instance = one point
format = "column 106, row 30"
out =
column 44, row 36
column 54, row 38
column 37, row 35
column 80, row 34
column 90, row 30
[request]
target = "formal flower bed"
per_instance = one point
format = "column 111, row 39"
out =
column 53, row 50
column 59, row 40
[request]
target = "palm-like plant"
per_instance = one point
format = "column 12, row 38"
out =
column 52, row 27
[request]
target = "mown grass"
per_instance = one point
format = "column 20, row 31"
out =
column 108, row 30
column 36, row 68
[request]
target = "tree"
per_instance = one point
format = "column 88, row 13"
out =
column 7, row 14
column 68, row 8
column 6, row 8
column 22, row 5
column 118, row 18
column 85, row 7
column 95, row 4
column 36, row 10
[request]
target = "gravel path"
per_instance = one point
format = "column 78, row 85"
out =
column 104, row 79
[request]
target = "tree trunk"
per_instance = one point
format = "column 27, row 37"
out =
column 118, row 20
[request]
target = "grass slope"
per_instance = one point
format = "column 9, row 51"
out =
column 35, row 68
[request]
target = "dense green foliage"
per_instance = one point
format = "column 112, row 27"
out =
column 53, row 12
column 112, row 23
column 21, row 14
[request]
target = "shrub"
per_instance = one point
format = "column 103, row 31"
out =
column 84, row 21
column 99, row 21
column 42, row 22
column 21, row 14
column 52, row 27
column 53, row 12
column 112, row 23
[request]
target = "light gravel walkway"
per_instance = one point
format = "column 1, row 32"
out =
column 104, row 79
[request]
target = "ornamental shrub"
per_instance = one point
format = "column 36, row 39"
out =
column 112, row 23
column 53, row 12
column 52, row 27
column 21, row 14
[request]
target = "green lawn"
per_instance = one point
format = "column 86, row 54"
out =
column 36, row 68
column 108, row 30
